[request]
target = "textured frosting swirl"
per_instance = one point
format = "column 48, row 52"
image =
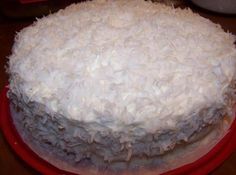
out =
column 123, row 64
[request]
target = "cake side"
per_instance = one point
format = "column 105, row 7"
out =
column 123, row 64
column 72, row 141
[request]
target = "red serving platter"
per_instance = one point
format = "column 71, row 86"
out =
column 202, row 166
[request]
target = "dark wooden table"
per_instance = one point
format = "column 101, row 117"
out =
column 9, row 162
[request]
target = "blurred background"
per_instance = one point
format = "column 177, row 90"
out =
column 17, row 14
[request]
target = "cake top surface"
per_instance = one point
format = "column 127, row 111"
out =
column 123, row 63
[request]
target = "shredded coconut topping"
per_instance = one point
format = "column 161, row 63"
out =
column 123, row 63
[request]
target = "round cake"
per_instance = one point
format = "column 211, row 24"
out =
column 117, row 85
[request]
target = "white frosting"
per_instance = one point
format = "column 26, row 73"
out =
column 121, row 62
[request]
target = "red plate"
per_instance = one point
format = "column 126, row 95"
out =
column 202, row 166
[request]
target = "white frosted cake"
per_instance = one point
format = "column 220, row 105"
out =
column 116, row 85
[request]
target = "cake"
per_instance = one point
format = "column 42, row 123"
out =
column 117, row 85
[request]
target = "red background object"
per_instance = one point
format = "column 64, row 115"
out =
column 202, row 166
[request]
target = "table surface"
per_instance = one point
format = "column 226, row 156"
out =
column 10, row 163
